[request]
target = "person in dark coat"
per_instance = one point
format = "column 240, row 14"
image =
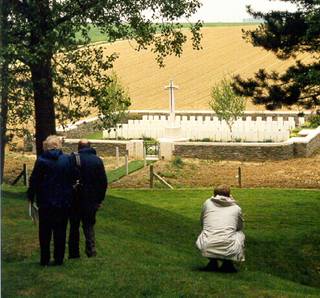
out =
column 51, row 186
column 90, row 192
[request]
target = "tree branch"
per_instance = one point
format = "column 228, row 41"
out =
column 21, row 7
column 83, row 7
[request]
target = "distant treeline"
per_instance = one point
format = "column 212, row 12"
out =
column 96, row 35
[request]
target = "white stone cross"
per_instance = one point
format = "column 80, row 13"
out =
column 171, row 88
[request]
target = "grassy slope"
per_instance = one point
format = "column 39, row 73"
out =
column 118, row 173
column 146, row 248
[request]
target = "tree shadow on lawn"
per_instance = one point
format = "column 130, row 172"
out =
column 16, row 195
column 171, row 237
column 286, row 258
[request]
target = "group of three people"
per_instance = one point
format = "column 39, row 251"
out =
column 67, row 188
column 73, row 187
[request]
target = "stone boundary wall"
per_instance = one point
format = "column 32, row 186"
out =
column 303, row 146
column 134, row 148
column 103, row 148
column 307, row 145
column 227, row 151
column 294, row 147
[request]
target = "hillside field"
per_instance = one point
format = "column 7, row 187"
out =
column 146, row 248
column 224, row 52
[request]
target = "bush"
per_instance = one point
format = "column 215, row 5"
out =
column 177, row 162
column 314, row 121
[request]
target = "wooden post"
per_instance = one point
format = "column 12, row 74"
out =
column 126, row 164
column 25, row 175
column 117, row 156
column 151, row 176
column 239, row 177
column 144, row 156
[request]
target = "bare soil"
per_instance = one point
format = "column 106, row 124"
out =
column 15, row 160
column 293, row 173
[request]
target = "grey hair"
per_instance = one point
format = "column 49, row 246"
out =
column 53, row 142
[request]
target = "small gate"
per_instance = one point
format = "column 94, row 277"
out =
column 151, row 149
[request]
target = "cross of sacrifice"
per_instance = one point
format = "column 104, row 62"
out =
column 171, row 88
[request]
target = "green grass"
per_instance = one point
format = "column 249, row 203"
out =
column 97, row 135
column 118, row 173
column 97, row 36
column 222, row 24
column 146, row 248
column 94, row 34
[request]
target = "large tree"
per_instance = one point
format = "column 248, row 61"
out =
column 288, row 35
column 42, row 48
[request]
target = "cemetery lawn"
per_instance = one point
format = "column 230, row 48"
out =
column 120, row 172
column 146, row 247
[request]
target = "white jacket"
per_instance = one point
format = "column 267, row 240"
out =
column 222, row 235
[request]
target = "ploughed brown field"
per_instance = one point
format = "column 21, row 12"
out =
column 224, row 52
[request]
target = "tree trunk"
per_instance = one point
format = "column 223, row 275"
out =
column 43, row 101
column 4, row 81
column 4, row 113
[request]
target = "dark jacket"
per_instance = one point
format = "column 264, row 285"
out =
column 93, row 178
column 51, row 180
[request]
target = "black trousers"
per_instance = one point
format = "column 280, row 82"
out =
column 86, row 215
column 52, row 221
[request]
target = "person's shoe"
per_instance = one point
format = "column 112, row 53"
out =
column 74, row 257
column 212, row 265
column 228, row 267
column 91, row 254
column 57, row 263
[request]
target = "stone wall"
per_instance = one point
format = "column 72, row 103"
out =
column 241, row 152
column 102, row 147
column 314, row 144
column 307, row 145
column 294, row 147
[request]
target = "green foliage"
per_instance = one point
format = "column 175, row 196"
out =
column 112, row 102
column 151, row 146
column 50, row 59
column 96, row 35
column 227, row 105
column 206, row 140
column 288, row 35
column 314, row 120
column 152, row 233
column 295, row 132
column 82, row 85
column 177, row 162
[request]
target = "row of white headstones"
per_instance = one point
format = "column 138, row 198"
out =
column 245, row 129
column 205, row 127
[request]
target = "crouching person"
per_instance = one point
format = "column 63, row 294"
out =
column 51, row 186
column 221, row 238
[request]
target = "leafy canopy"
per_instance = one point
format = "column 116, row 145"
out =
column 227, row 105
column 288, row 35
column 56, row 33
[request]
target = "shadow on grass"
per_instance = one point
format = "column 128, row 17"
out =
column 14, row 194
column 143, row 235
column 286, row 258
